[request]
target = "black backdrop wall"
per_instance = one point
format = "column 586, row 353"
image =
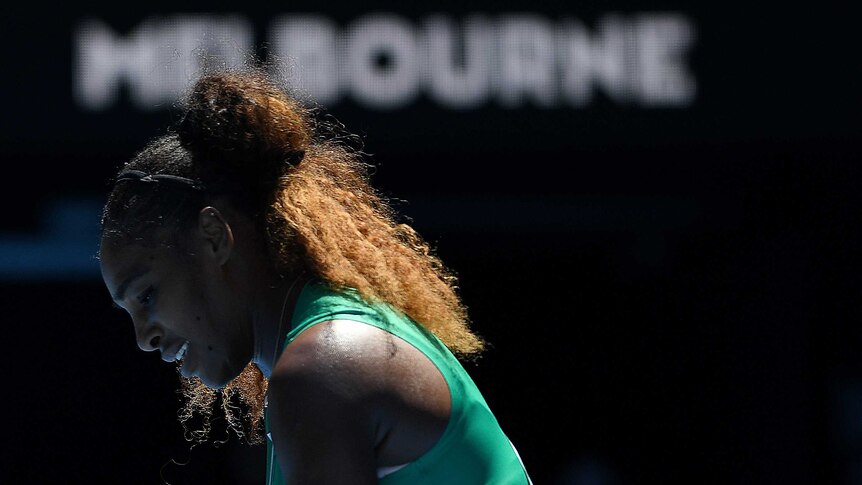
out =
column 651, row 208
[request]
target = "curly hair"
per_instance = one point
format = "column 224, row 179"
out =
column 321, row 215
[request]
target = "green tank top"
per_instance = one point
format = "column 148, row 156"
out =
column 473, row 449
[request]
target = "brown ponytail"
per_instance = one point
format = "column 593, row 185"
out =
column 242, row 122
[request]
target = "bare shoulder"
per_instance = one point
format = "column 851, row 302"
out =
column 353, row 361
column 361, row 386
column 321, row 418
column 336, row 353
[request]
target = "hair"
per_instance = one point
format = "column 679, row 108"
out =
column 308, row 191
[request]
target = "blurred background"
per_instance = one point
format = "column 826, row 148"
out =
column 651, row 206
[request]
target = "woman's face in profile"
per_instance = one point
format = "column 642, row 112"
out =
column 176, row 310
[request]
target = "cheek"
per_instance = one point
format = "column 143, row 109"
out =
column 185, row 311
column 209, row 316
column 213, row 314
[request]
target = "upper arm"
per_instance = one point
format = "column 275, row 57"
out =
column 321, row 410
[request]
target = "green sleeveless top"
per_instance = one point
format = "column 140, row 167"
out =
column 472, row 450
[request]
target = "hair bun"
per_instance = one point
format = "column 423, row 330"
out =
column 242, row 122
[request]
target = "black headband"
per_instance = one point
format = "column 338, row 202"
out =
column 187, row 183
column 138, row 176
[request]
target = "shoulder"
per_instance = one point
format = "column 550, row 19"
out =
column 321, row 406
column 360, row 387
column 329, row 349
column 348, row 361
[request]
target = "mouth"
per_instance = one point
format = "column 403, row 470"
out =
column 182, row 352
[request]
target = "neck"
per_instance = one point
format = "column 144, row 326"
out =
column 272, row 323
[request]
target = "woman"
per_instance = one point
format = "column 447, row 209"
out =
column 249, row 248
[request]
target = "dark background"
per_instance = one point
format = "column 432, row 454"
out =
column 671, row 294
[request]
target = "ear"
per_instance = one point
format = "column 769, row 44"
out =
column 216, row 234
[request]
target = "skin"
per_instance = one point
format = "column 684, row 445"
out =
column 344, row 398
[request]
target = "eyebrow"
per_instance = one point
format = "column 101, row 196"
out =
column 121, row 290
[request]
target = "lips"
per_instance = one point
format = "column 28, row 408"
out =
column 180, row 353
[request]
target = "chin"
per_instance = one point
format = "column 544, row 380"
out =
column 214, row 383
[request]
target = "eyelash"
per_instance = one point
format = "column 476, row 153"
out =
column 147, row 296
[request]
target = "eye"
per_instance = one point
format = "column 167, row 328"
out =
column 146, row 296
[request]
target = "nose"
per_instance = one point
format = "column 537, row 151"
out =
column 148, row 335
